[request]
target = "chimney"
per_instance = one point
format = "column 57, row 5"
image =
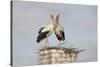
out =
column 57, row 55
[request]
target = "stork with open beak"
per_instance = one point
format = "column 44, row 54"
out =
column 58, row 30
column 45, row 32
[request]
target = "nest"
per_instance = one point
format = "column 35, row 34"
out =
column 57, row 55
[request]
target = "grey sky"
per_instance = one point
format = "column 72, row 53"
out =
column 79, row 22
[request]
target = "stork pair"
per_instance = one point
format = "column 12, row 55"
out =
column 47, row 30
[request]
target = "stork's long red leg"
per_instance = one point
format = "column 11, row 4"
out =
column 59, row 43
column 48, row 42
column 45, row 42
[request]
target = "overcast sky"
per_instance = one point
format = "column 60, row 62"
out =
column 79, row 22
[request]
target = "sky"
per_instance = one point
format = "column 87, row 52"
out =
column 79, row 22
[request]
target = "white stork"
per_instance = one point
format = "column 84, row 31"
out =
column 58, row 30
column 53, row 26
column 45, row 32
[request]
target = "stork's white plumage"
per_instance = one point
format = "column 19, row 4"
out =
column 45, row 32
column 53, row 26
column 58, row 30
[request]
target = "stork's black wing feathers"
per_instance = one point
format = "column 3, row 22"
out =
column 62, row 37
column 40, row 29
column 42, row 36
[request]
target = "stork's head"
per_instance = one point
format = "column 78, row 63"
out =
column 55, row 20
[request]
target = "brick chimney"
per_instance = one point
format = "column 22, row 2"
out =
column 57, row 55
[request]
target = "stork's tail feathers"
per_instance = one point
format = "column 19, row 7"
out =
column 42, row 36
column 62, row 37
column 38, row 41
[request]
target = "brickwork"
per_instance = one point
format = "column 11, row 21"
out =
column 56, row 55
